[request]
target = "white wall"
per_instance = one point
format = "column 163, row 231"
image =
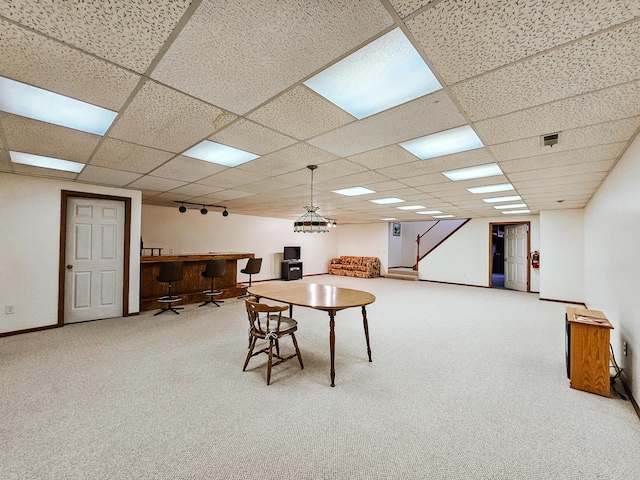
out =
column 464, row 257
column 192, row 232
column 410, row 230
column 394, row 257
column 562, row 255
column 612, row 266
column 30, row 248
column 366, row 240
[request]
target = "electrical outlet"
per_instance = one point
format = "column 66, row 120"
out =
column 9, row 309
column 624, row 349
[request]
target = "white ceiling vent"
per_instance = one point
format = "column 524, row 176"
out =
column 550, row 140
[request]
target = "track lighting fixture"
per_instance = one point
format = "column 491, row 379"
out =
column 182, row 208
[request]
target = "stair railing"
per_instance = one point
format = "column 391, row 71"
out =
column 420, row 257
column 415, row 267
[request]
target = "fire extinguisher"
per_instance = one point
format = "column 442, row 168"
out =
column 535, row 259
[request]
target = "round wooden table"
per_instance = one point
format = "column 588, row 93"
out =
column 321, row 297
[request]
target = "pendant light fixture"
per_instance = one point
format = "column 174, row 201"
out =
column 311, row 221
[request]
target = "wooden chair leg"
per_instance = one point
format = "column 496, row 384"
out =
column 270, row 361
column 295, row 344
column 252, row 344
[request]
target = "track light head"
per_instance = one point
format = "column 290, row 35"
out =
column 204, row 210
column 225, row 213
column 182, row 208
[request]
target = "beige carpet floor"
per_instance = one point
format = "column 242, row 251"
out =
column 465, row 383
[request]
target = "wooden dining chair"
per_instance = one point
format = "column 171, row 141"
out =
column 267, row 323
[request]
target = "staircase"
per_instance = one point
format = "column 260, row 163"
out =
column 402, row 273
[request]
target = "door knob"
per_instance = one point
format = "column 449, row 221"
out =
column 69, row 267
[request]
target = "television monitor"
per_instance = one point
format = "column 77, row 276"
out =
column 291, row 253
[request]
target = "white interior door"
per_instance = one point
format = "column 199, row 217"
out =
column 94, row 270
column 516, row 258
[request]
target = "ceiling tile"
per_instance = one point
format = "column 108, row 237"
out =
column 195, row 190
column 154, row 183
column 607, row 105
column 58, row 68
column 284, row 43
column 42, row 172
column 389, row 156
column 567, row 170
column 428, row 114
column 231, row 178
column 127, row 33
column 580, row 156
column 269, row 186
column 466, row 37
column 301, row 113
column 581, row 179
column 574, row 69
column 289, row 159
column 589, row 136
column 251, row 137
column 130, row 157
column 229, row 195
column 355, row 180
column 163, row 118
column 168, row 199
column 407, row 7
column 40, row 138
column 187, row 169
column 470, row 158
column 5, row 162
column 106, row 176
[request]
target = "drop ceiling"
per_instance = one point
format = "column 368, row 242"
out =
column 232, row 71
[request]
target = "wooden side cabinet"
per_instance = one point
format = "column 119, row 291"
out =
column 587, row 350
column 291, row 270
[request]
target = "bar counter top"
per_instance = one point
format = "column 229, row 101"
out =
column 195, row 257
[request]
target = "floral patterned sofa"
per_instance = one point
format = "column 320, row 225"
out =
column 349, row 266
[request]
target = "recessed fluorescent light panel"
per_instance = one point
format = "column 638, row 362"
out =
column 502, row 187
column 516, row 211
column 38, row 104
column 443, row 216
column 511, row 198
column 411, row 207
column 385, row 73
column 479, row 171
column 45, row 162
column 353, row 191
column 221, row 154
column 429, row 212
column 386, row 201
column 512, row 205
column 455, row 140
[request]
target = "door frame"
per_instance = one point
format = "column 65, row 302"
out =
column 528, row 224
column 63, row 244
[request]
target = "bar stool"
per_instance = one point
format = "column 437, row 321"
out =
column 214, row 269
column 253, row 267
column 170, row 272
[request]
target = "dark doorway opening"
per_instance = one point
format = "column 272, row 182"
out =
column 497, row 255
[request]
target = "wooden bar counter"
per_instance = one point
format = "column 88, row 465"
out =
column 192, row 285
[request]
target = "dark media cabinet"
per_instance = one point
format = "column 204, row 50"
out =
column 291, row 270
